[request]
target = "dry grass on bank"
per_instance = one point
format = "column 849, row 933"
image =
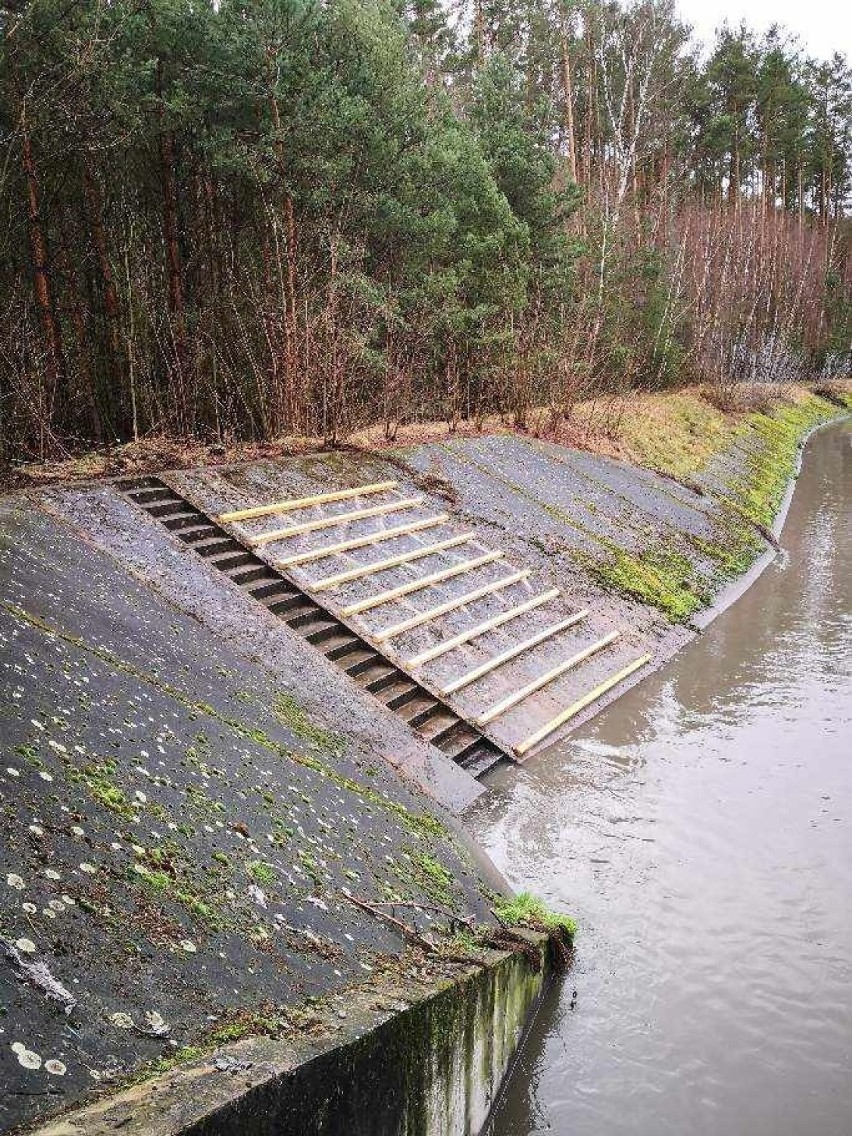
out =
column 674, row 431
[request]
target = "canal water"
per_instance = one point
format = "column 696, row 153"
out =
column 701, row 832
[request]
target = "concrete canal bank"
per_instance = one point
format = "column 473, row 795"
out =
column 408, row 1058
column 233, row 878
column 701, row 830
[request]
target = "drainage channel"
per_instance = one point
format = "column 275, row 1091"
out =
column 429, row 717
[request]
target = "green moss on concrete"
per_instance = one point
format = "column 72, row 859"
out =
column 290, row 714
column 664, row 576
column 421, row 825
column 659, row 576
column 432, row 877
column 772, row 462
column 165, row 872
column 98, row 780
column 155, row 881
column 261, row 872
column 733, row 550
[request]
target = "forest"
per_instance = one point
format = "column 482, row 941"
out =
column 250, row 219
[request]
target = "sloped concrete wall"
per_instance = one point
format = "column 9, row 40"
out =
column 433, row 1069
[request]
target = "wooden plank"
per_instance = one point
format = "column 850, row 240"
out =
column 337, row 519
column 389, row 562
column 361, row 541
column 571, row 711
column 450, row 605
column 481, row 628
column 537, row 683
column 512, row 653
column 303, row 502
column 422, row 582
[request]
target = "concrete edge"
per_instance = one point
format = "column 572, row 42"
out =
column 437, row 1060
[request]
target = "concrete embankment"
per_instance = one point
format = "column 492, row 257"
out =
column 212, row 837
column 406, row 1058
column 189, row 858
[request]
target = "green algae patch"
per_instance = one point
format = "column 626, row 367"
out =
column 98, row 780
column 261, row 872
column 433, row 877
column 735, row 548
column 166, row 872
column 290, row 714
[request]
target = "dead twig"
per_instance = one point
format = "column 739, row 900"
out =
column 410, row 933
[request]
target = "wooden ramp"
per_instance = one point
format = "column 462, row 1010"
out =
column 327, row 565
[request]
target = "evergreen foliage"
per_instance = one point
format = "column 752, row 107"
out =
column 232, row 219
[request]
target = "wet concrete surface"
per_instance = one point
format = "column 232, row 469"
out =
column 144, row 548
column 560, row 503
column 178, row 837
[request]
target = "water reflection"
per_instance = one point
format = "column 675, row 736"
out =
column 701, row 829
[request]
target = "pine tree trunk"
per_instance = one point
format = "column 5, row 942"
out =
column 94, row 208
column 174, row 270
column 290, row 319
column 85, row 379
column 42, row 287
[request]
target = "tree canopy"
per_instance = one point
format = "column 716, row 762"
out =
column 240, row 220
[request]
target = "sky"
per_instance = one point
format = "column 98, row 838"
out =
column 823, row 26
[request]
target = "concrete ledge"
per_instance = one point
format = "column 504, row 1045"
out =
column 403, row 1064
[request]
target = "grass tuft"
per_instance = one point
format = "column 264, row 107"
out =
column 527, row 910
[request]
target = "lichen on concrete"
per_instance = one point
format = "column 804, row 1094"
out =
column 179, row 858
column 419, row 1051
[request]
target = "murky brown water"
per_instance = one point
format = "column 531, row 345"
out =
column 701, row 831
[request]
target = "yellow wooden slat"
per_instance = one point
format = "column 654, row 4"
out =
column 451, row 605
column 389, row 562
column 361, row 541
column 537, row 683
column 512, row 653
column 303, row 502
column 337, row 519
column 423, row 582
column 571, row 711
column 480, row 629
